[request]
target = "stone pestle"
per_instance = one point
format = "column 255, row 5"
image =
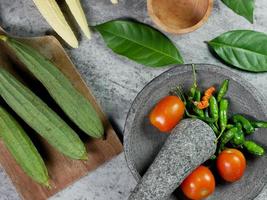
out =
column 190, row 143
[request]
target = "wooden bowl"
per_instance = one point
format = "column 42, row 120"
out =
column 179, row 16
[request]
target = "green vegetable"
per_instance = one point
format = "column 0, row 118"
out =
column 205, row 119
column 223, row 90
column 212, row 125
column 259, row 124
column 40, row 117
column 244, row 49
column 227, row 137
column 253, row 148
column 74, row 104
column 239, row 137
column 197, row 98
column 214, row 110
column 193, row 88
column 223, row 110
column 56, row 19
column 249, row 129
column 139, row 42
column 244, row 8
column 229, row 126
column 22, row 149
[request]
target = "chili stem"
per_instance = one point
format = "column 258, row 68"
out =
column 217, row 139
column 194, row 76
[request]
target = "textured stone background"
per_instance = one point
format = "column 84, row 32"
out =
column 115, row 81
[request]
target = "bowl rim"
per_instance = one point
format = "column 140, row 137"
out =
column 184, row 68
column 168, row 29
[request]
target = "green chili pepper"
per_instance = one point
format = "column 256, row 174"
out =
column 192, row 93
column 214, row 110
column 253, row 148
column 193, row 89
column 229, row 126
column 259, row 124
column 205, row 119
column 227, row 136
column 249, row 129
column 213, row 157
column 239, row 137
column 207, row 113
column 199, row 112
column 223, row 119
column 239, row 126
column 197, row 98
column 212, row 125
column 223, row 89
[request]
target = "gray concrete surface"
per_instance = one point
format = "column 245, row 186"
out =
column 116, row 80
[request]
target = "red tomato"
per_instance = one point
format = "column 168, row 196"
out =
column 231, row 164
column 167, row 113
column 199, row 184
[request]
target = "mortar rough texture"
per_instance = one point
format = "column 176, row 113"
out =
column 142, row 142
column 191, row 143
column 116, row 80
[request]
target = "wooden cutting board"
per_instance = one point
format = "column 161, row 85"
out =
column 63, row 171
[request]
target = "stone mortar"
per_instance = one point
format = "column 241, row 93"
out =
column 142, row 142
column 189, row 145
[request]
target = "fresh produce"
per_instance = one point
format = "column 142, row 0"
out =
column 244, row 49
column 78, row 13
column 73, row 103
column 214, row 109
column 199, row 184
column 216, row 115
column 227, row 137
column 239, row 136
column 243, row 8
column 253, row 148
column 212, row 125
column 228, row 134
column 53, row 15
column 231, row 164
column 231, row 134
column 167, row 113
column 139, row 42
column 114, row 1
column 223, row 118
column 223, row 90
column 259, row 124
column 22, row 149
column 249, row 129
column 197, row 98
column 40, row 117
column 204, row 103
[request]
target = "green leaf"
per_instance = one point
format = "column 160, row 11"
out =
column 139, row 42
column 244, row 8
column 244, row 49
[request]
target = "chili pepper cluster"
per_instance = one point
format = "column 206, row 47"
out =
column 213, row 109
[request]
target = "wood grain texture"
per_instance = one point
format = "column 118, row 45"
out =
column 179, row 16
column 62, row 170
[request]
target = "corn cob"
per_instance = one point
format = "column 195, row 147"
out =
column 53, row 15
column 78, row 13
column 114, row 1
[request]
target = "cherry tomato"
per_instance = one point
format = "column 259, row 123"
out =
column 231, row 164
column 167, row 113
column 199, row 184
